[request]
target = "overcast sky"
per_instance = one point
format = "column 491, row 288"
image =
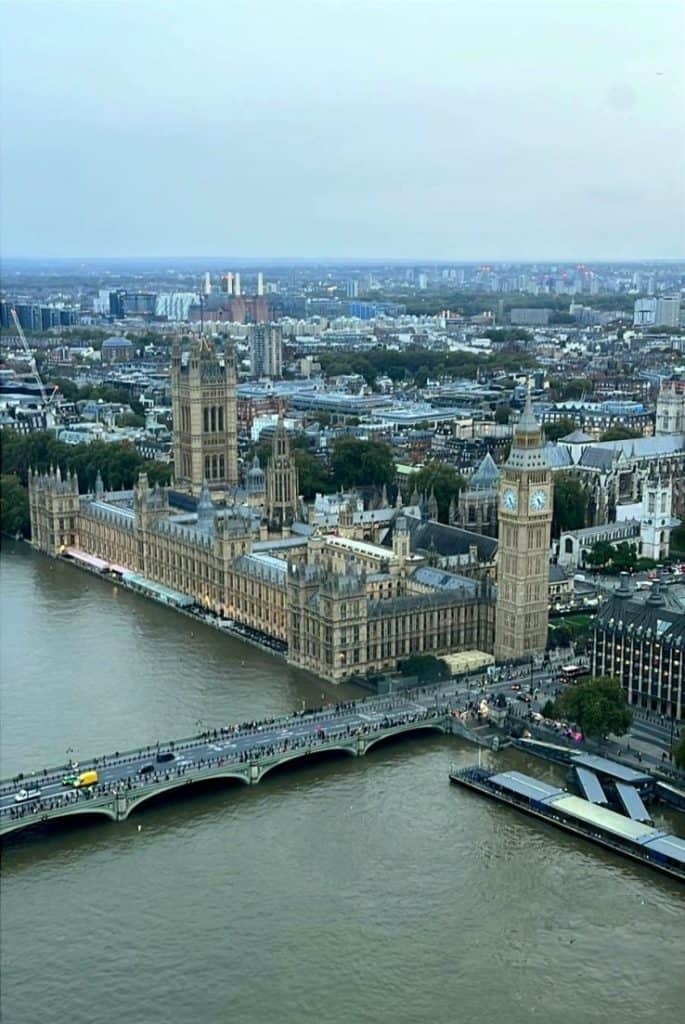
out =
column 434, row 129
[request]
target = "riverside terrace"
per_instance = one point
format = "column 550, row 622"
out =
column 245, row 752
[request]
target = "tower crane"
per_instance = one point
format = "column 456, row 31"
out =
column 47, row 400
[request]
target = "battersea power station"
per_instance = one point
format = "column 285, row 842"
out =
column 346, row 598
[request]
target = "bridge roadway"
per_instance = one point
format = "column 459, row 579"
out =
column 245, row 752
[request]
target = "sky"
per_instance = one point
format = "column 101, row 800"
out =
column 408, row 129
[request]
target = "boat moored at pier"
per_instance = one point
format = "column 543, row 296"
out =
column 635, row 839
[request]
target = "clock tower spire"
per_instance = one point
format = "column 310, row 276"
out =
column 525, row 521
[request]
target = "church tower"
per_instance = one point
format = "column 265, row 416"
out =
column 204, row 406
column 525, row 522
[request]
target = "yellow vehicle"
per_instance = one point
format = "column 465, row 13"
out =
column 87, row 779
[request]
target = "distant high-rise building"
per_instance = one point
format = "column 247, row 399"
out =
column 266, row 350
column 352, row 289
column 529, row 317
column 668, row 311
column 206, row 284
column 260, row 283
column 423, row 281
column 227, row 284
column 644, row 312
column 175, row 305
column 236, row 284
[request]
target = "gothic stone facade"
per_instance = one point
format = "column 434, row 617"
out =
column 204, row 407
column 524, row 540
column 336, row 620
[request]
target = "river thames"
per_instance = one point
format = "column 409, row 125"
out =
column 350, row 890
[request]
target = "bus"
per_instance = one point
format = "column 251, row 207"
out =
column 569, row 673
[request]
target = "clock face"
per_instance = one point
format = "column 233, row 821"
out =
column 538, row 501
column 510, row 500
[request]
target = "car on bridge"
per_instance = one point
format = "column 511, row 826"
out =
column 26, row 794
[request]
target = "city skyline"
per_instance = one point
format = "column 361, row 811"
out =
column 436, row 133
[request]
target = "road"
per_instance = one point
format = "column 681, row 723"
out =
column 232, row 744
column 249, row 742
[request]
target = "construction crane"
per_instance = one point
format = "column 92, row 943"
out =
column 47, row 400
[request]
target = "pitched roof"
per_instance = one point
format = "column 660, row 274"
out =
column 486, row 476
column 447, row 541
column 557, row 455
column 576, row 437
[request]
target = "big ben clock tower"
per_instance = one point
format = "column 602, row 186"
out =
column 525, row 521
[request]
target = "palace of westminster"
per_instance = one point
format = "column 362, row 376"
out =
column 347, row 595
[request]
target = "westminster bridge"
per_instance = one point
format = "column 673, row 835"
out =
column 245, row 752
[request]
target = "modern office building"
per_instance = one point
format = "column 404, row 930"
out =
column 639, row 638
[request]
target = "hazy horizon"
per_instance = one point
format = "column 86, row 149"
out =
column 379, row 131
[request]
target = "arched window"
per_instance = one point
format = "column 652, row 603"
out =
column 222, row 466
column 207, row 469
column 214, row 467
column 205, row 412
column 221, row 417
column 213, row 419
column 568, row 546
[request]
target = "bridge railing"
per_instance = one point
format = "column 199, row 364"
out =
column 385, row 702
column 263, row 754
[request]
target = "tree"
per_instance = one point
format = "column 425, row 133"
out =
column 426, row 667
column 131, row 419
column 355, row 462
column 625, row 557
column 444, row 480
column 553, row 431
column 14, row 507
column 119, row 464
column 549, row 709
column 312, row 475
column 502, row 413
column 679, row 753
column 619, row 434
column 559, row 637
column 570, row 389
column 598, row 706
column 569, row 506
column 600, row 554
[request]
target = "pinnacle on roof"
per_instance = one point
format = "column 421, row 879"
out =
column 205, row 501
column 528, row 424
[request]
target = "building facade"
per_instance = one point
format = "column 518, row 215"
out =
column 670, row 407
column 639, row 639
column 525, row 522
column 477, row 505
column 266, row 350
column 204, row 408
column 340, row 608
column 282, row 497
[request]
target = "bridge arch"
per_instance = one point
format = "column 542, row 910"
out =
column 51, row 817
column 134, row 801
column 306, row 754
column 404, row 730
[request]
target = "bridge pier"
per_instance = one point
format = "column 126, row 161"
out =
column 120, row 807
